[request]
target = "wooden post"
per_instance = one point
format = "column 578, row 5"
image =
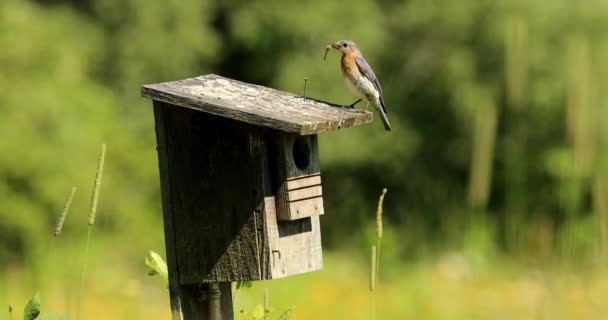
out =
column 241, row 186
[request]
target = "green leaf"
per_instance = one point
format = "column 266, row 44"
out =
column 157, row 266
column 258, row 312
column 287, row 314
column 243, row 284
column 32, row 309
column 54, row 316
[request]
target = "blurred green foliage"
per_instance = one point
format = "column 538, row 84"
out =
column 496, row 106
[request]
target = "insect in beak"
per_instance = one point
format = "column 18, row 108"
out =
column 326, row 51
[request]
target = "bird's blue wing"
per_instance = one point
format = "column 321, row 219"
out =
column 367, row 71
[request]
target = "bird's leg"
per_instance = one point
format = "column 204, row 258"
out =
column 367, row 105
column 351, row 106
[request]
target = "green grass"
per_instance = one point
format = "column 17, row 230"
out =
column 92, row 215
column 450, row 286
column 458, row 284
column 33, row 308
column 467, row 279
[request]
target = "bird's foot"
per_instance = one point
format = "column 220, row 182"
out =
column 352, row 106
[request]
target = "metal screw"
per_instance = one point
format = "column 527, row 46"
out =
column 305, row 87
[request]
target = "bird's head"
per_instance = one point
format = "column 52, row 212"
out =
column 345, row 46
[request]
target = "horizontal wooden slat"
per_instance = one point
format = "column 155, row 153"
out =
column 306, row 208
column 304, row 193
column 255, row 104
column 303, row 181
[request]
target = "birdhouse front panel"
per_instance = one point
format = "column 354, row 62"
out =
column 295, row 246
column 300, row 194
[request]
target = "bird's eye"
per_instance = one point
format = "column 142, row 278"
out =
column 345, row 45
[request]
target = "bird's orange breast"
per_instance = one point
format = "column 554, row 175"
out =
column 349, row 66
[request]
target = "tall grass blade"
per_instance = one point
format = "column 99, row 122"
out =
column 372, row 274
column 92, row 213
column 266, row 304
column 96, row 184
column 59, row 226
column 64, row 213
column 379, row 230
column 379, row 226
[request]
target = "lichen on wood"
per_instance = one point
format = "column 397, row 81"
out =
column 256, row 104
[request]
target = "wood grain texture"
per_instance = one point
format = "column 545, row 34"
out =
column 304, row 201
column 213, row 197
column 299, row 193
column 312, row 191
column 166, row 194
column 304, row 181
column 295, row 245
column 185, row 299
column 257, row 105
column 305, row 208
column 217, row 176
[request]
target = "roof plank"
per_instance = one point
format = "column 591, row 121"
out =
column 257, row 105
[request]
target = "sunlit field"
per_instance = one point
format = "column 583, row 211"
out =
column 460, row 284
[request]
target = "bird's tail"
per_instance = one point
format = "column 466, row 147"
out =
column 382, row 112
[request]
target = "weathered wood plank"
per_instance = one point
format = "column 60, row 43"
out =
column 257, row 105
column 166, row 194
column 313, row 191
column 260, row 168
column 213, row 197
column 303, row 181
column 295, row 245
column 301, row 202
column 305, row 208
column 185, row 299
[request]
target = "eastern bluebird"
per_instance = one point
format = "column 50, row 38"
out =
column 360, row 78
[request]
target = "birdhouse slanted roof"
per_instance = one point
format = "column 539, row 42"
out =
column 256, row 104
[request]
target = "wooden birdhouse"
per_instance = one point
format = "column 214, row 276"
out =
column 240, row 178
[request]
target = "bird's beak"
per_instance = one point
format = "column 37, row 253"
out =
column 329, row 47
